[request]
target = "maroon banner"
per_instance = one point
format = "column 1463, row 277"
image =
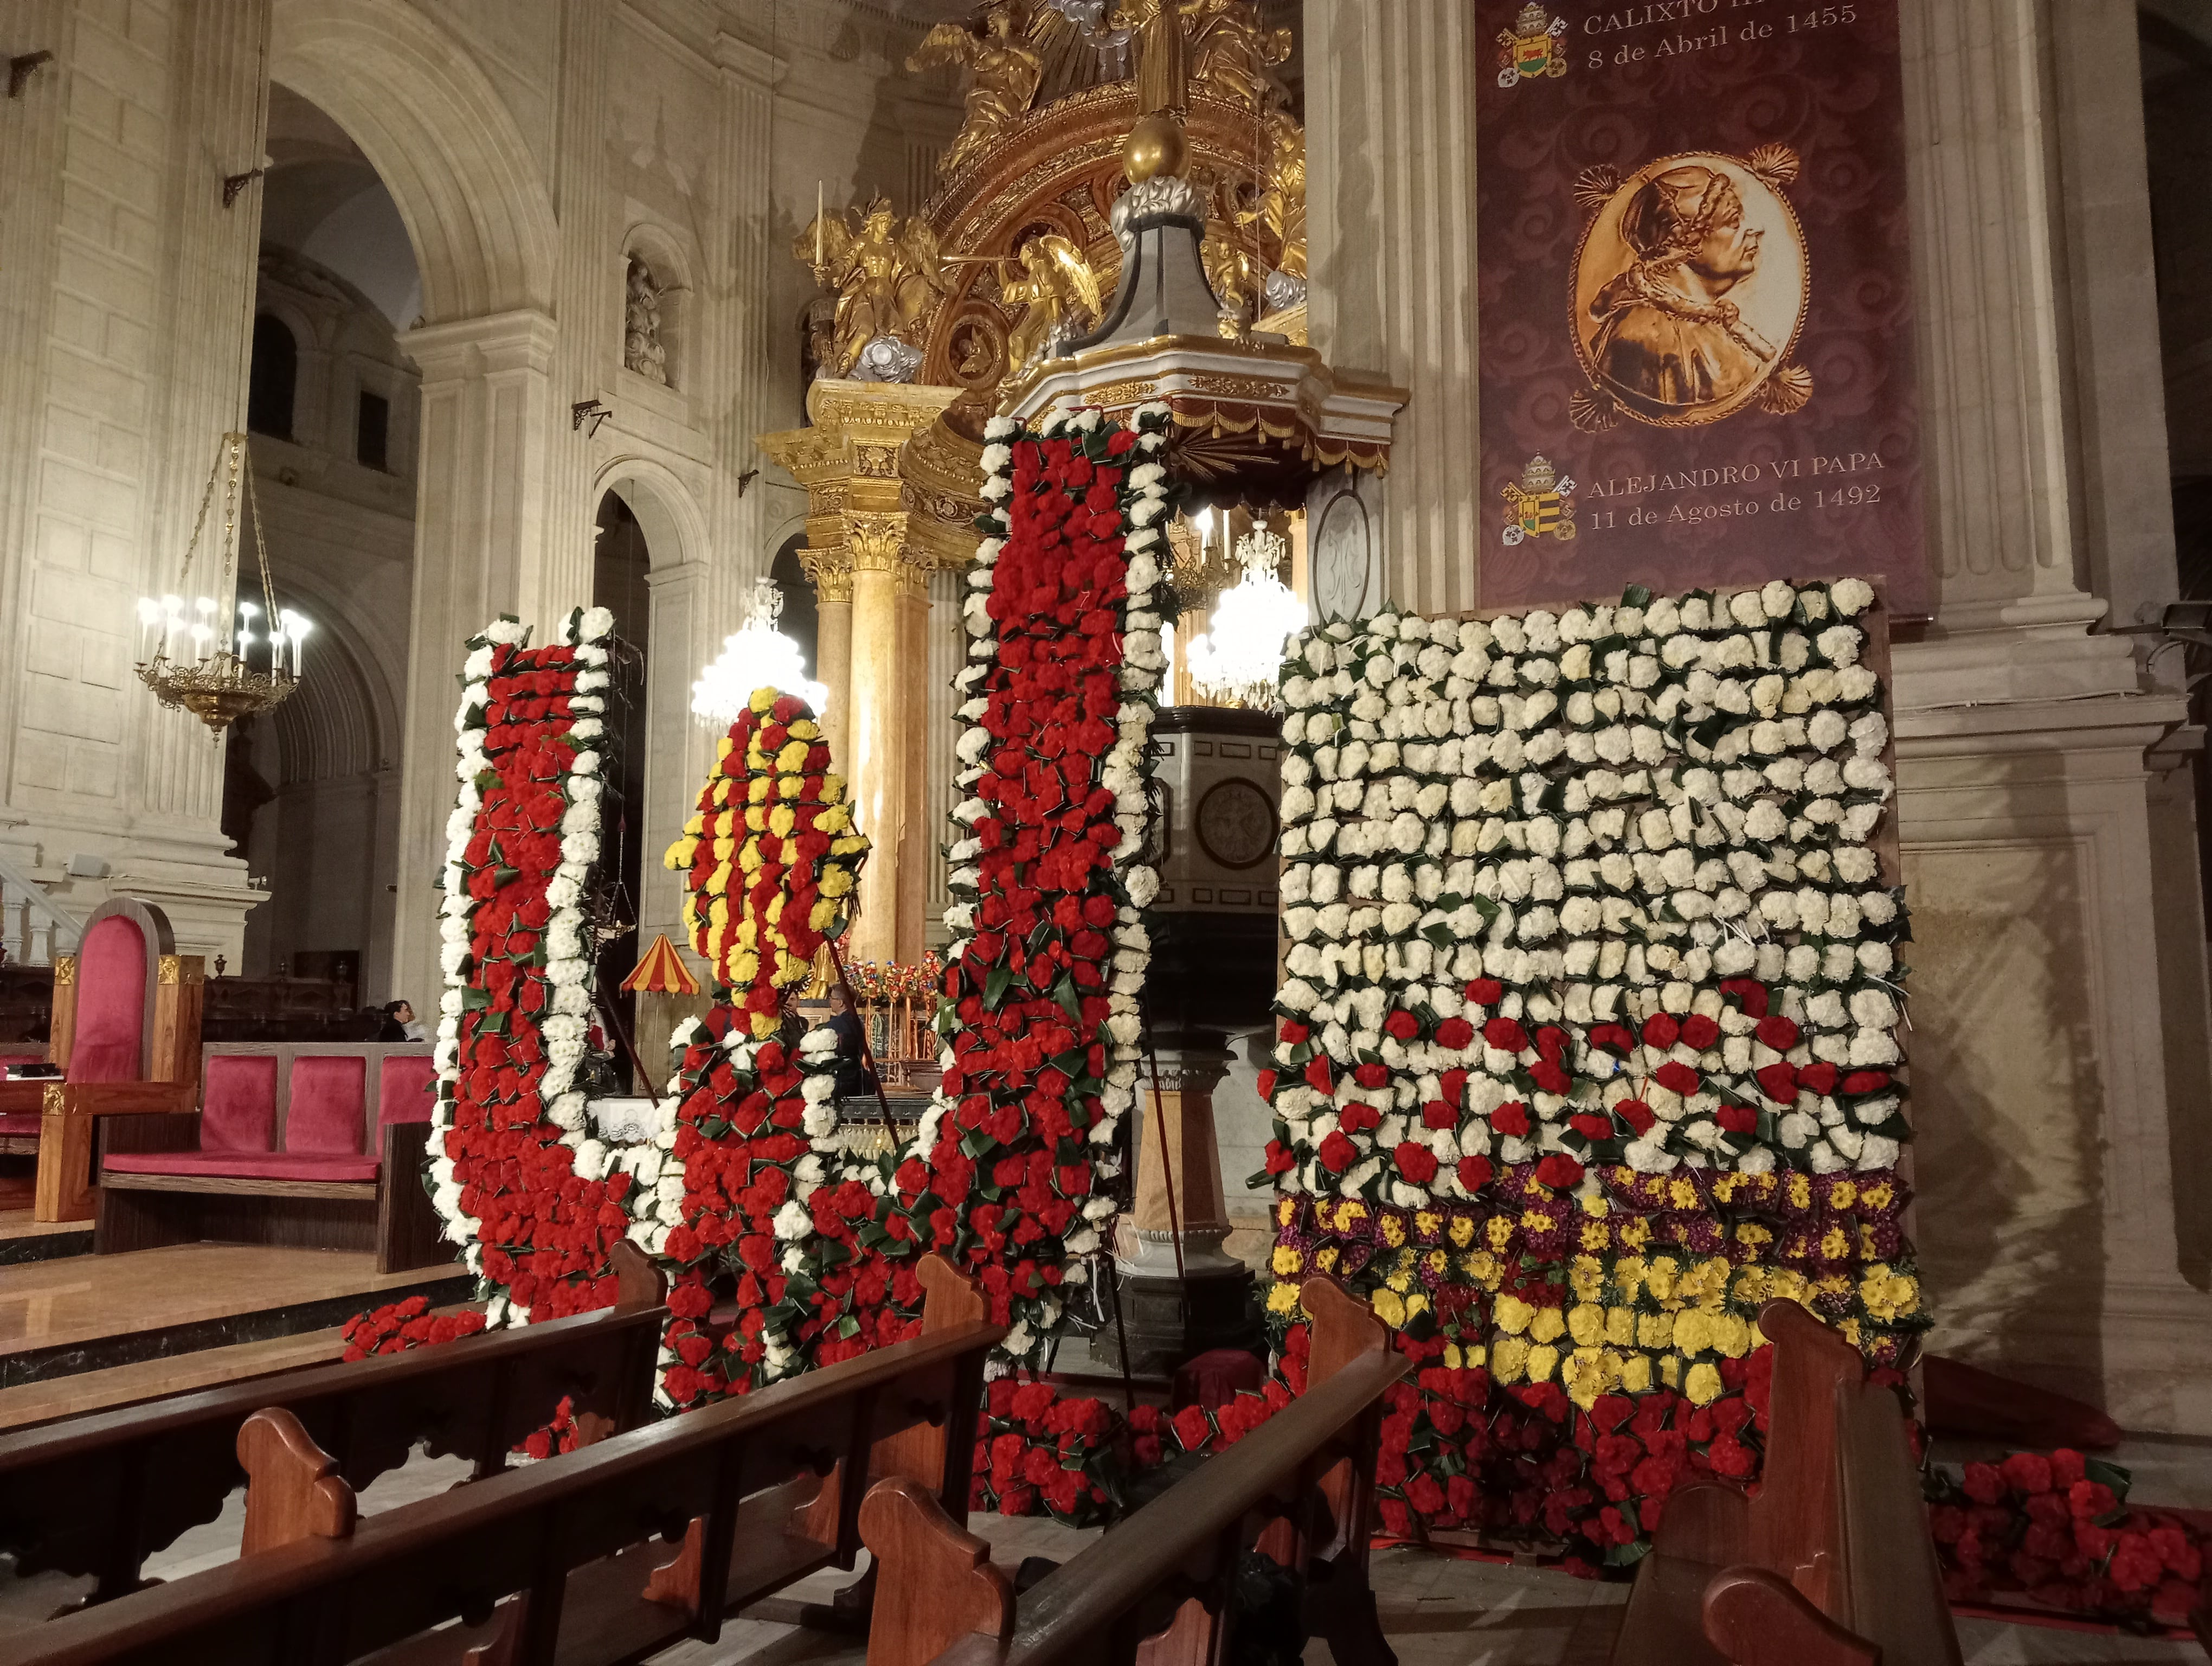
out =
column 1696, row 300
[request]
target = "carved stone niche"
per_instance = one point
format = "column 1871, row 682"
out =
column 647, row 322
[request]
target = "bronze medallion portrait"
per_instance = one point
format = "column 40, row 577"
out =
column 1690, row 288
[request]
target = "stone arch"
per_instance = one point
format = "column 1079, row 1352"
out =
column 430, row 122
column 683, row 633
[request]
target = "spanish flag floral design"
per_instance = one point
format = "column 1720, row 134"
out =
column 771, row 855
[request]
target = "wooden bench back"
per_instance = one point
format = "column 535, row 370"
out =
column 556, row 1554
column 97, row 1495
column 1841, row 1569
column 1795, row 1519
column 1157, row 1587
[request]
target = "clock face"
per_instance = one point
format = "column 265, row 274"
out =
column 1236, row 823
column 1340, row 557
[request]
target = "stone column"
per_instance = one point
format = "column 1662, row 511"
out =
column 857, row 526
column 876, row 729
column 1174, row 1307
column 948, row 653
column 832, row 573
column 1390, row 258
column 479, row 543
column 918, row 830
column 2058, row 997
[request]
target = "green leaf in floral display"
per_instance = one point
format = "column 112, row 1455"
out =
column 492, row 1024
column 475, row 1000
column 1636, row 596
column 1070, row 1000
column 1627, row 1555
column 848, row 1326
column 996, row 985
column 2106, row 1473
column 975, row 1142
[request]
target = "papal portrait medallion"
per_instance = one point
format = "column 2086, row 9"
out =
column 1690, row 288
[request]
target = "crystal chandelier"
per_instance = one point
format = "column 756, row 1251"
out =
column 756, row 656
column 1200, row 566
column 186, row 658
column 1239, row 659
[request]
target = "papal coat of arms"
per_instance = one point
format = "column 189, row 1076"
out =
column 1533, row 46
column 1541, row 506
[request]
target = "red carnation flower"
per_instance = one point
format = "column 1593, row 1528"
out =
column 1435, row 1114
column 1455, row 1033
column 1737, row 1119
column 1638, row 1114
column 1512, row 1117
column 1662, row 1029
column 1506, row 1034
column 1416, row 1162
column 1778, row 1032
column 1699, row 1031
column 1337, row 1153
column 1486, row 992
column 1591, row 1125
column 1370, row 1076
column 1474, row 1172
column 1778, row 1081
column 1817, row 1078
column 1559, row 1171
column 1676, row 1077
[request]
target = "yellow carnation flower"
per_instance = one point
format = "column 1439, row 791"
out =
column 1586, row 1324
column 1548, row 1326
column 1635, row 1374
column 1543, row 1360
column 1509, row 1358
column 1512, row 1315
column 1703, row 1384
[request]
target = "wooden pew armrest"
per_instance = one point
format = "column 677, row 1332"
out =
column 150, row 1132
column 1755, row 1618
column 122, row 1098
column 1708, row 1520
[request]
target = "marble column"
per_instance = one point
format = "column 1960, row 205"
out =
column 918, row 830
column 831, row 572
column 876, row 729
column 479, row 536
column 1182, row 1293
column 1391, row 258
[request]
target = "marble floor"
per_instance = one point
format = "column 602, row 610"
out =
column 1437, row 1610
column 85, row 1298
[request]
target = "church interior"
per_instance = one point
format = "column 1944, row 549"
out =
column 1128, row 830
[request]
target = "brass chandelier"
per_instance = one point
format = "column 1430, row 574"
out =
column 183, row 656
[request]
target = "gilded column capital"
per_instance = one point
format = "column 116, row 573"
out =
column 831, row 571
column 877, row 542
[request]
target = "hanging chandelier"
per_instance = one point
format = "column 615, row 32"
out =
column 195, row 664
column 1239, row 660
column 756, row 655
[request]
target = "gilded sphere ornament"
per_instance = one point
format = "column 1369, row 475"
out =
column 1155, row 146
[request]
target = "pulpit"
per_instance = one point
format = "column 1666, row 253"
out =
column 126, row 1034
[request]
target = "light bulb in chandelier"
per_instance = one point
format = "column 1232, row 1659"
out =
column 756, row 655
column 1240, row 659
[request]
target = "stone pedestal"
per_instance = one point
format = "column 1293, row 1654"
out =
column 1174, row 1308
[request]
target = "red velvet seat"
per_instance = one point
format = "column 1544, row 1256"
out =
column 245, row 1165
column 19, row 1123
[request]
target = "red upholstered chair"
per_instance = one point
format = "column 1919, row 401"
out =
column 126, row 1033
column 316, row 1146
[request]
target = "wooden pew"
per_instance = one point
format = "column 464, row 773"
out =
column 558, row 1561
column 1157, row 1588
column 97, row 1495
column 1831, row 1565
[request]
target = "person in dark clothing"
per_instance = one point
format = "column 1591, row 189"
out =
column 855, row 1079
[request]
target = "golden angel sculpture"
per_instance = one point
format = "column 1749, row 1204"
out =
column 1234, row 53
column 1003, row 70
column 887, row 275
column 1054, row 284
